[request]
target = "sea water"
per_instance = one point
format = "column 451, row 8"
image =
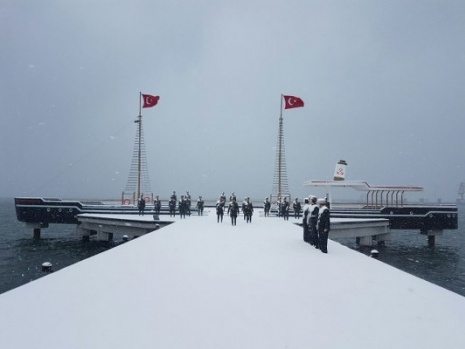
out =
column 408, row 250
column 21, row 256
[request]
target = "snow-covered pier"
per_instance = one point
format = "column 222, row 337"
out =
column 198, row 283
column 104, row 226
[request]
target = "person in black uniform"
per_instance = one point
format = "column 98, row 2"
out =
column 233, row 211
column 157, row 205
column 285, row 209
column 223, row 198
column 174, row 197
column 200, row 204
column 267, row 206
column 182, row 206
column 297, row 207
column 219, row 210
column 280, row 206
column 247, row 209
column 232, row 197
column 323, row 225
column 172, row 207
column 306, row 212
column 188, row 203
column 312, row 222
column 141, row 205
column 244, row 208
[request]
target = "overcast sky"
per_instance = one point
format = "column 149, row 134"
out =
column 383, row 84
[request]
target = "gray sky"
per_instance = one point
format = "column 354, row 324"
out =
column 383, row 84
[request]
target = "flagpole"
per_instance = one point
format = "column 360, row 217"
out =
column 280, row 135
column 139, row 121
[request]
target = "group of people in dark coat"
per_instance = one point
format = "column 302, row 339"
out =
column 233, row 209
column 283, row 208
column 316, row 223
column 183, row 206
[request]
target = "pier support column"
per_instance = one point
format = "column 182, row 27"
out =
column 431, row 240
column 36, row 233
column 36, row 229
column 365, row 241
column 104, row 236
column 85, row 233
column 431, row 234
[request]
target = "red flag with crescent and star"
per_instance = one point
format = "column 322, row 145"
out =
column 293, row 102
column 150, row 101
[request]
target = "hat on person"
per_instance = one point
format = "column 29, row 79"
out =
column 321, row 202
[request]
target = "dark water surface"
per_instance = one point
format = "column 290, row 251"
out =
column 408, row 250
column 21, row 257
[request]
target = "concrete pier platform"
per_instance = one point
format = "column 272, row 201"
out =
column 364, row 230
column 198, row 283
column 105, row 225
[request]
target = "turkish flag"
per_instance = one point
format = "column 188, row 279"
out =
column 150, row 101
column 292, row 102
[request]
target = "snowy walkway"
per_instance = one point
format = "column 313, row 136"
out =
column 200, row 284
